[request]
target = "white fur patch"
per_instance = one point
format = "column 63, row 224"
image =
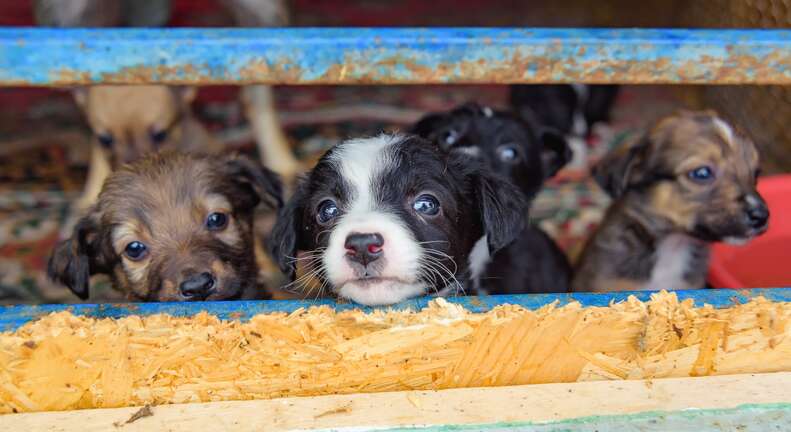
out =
column 360, row 162
column 579, row 126
column 479, row 257
column 469, row 151
column 674, row 254
column 724, row 128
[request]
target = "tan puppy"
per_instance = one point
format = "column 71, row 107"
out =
column 131, row 121
column 172, row 227
column 687, row 182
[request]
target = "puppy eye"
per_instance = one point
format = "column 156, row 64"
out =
column 701, row 174
column 328, row 211
column 159, row 136
column 216, row 221
column 507, row 153
column 426, row 204
column 135, row 251
column 106, row 140
column 450, row 137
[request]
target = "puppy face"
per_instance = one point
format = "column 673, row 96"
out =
column 392, row 217
column 171, row 227
column 694, row 171
column 527, row 155
column 130, row 121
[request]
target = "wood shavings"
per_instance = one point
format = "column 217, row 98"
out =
column 66, row 362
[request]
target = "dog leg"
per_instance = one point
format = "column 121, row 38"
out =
column 273, row 146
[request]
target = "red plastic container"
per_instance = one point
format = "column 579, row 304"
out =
column 764, row 262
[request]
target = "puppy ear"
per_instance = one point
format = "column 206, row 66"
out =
column 285, row 238
column 428, row 125
column 255, row 182
column 555, row 151
column 74, row 260
column 503, row 209
column 616, row 171
column 445, row 130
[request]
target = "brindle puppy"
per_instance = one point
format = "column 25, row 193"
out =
column 687, row 182
column 171, row 227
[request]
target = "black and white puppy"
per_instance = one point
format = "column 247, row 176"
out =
column 380, row 220
column 528, row 155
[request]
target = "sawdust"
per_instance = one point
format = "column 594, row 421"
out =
column 66, row 362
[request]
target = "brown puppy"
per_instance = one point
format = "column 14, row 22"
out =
column 689, row 181
column 171, row 227
column 131, row 121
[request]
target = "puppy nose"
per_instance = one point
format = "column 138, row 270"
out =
column 756, row 211
column 364, row 248
column 198, row 287
column 758, row 216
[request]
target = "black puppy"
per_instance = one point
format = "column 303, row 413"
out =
column 528, row 155
column 570, row 109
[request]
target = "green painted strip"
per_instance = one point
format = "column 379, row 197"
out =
column 744, row 418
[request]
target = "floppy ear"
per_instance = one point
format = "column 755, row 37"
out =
column 445, row 129
column 503, row 209
column 74, row 260
column 555, row 151
column 428, row 125
column 285, row 238
column 616, row 171
column 255, row 182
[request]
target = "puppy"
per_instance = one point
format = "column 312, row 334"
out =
column 572, row 109
column 171, row 227
column 384, row 219
column 687, row 182
column 526, row 154
column 575, row 110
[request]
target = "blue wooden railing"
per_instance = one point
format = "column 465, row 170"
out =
column 11, row 317
column 65, row 57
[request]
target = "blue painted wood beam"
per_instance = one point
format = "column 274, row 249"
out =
column 67, row 57
column 11, row 317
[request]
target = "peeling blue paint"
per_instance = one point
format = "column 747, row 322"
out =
column 12, row 317
column 62, row 57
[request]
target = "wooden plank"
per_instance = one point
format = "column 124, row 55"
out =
column 13, row 317
column 755, row 400
column 67, row 57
